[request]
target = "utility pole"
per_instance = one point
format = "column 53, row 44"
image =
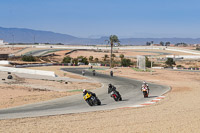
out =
column 34, row 39
column 13, row 40
column 151, row 57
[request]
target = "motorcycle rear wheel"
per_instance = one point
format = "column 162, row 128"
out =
column 98, row 102
column 115, row 98
column 145, row 94
column 89, row 101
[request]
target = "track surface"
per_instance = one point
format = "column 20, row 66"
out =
column 128, row 88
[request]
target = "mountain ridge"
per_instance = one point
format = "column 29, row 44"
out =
column 25, row 35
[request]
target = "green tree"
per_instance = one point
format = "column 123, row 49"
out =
column 121, row 56
column 67, row 59
column 162, row 43
column 75, row 61
column 170, row 62
column 91, row 58
column 197, row 47
column 96, row 60
column 113, row 39
column 148, row 63
column 83, row 60
column 148, row 43
column 125, row 62
column 28, row 58
column 105, row 57
column 113, row 55
column 167, row 43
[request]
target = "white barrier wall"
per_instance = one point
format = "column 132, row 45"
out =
column 27, row 71
column 184, row 56
column 4, row 62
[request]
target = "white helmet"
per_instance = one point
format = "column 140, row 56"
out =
column 144, row 82
column 84, row 90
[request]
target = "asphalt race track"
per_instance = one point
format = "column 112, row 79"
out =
column 128, row 88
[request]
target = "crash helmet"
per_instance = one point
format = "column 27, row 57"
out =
column 84, row 90
column 144, row 82
column 109, row 85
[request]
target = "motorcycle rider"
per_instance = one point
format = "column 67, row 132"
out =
column 93, row 71
column 83, row 72
column 89, row 92
column 111, row 73
column 145, row 85
column 112, row 88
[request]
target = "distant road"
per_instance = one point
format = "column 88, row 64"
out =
column 177, row 49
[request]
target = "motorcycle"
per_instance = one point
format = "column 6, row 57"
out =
column 116, row 96
column 145, row 91
column 93, row 72
column 111, row 73
column 91, row 100
column 83, row 73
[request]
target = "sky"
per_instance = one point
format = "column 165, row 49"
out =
column 96, row 18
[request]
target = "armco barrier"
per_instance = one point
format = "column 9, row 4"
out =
column 27, row 71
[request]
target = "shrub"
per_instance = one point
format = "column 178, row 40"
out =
column 179, row 66
column 91, row 58
column 67, row 59
column 75, row 61
column 170, row 62
column 83, row 60
column 125, row 62
column 28, row 58
column 148, row 63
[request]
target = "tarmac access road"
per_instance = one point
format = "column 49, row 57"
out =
column 128, row 88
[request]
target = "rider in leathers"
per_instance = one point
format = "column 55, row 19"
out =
column 89, row 92
column 145, row 85
column 112, row 88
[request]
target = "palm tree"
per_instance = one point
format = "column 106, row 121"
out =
column 113, row 39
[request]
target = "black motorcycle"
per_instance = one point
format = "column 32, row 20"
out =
column 93, row 72
column 116, row 96
column 91, row 100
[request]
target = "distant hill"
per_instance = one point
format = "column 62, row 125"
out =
column 22, row 35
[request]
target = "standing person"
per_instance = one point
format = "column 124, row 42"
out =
column 111, row 73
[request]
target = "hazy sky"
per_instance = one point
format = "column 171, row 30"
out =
column 94, row 18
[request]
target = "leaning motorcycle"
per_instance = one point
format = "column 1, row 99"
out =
column 91, row 100
column 145, row 91
column 115, row 96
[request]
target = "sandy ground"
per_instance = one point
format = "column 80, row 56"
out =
column 127, row 53
column 9, row 50
column 20, row 91
column 178, row 112
column 59, row 72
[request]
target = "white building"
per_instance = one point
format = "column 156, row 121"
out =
column 1, row 42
